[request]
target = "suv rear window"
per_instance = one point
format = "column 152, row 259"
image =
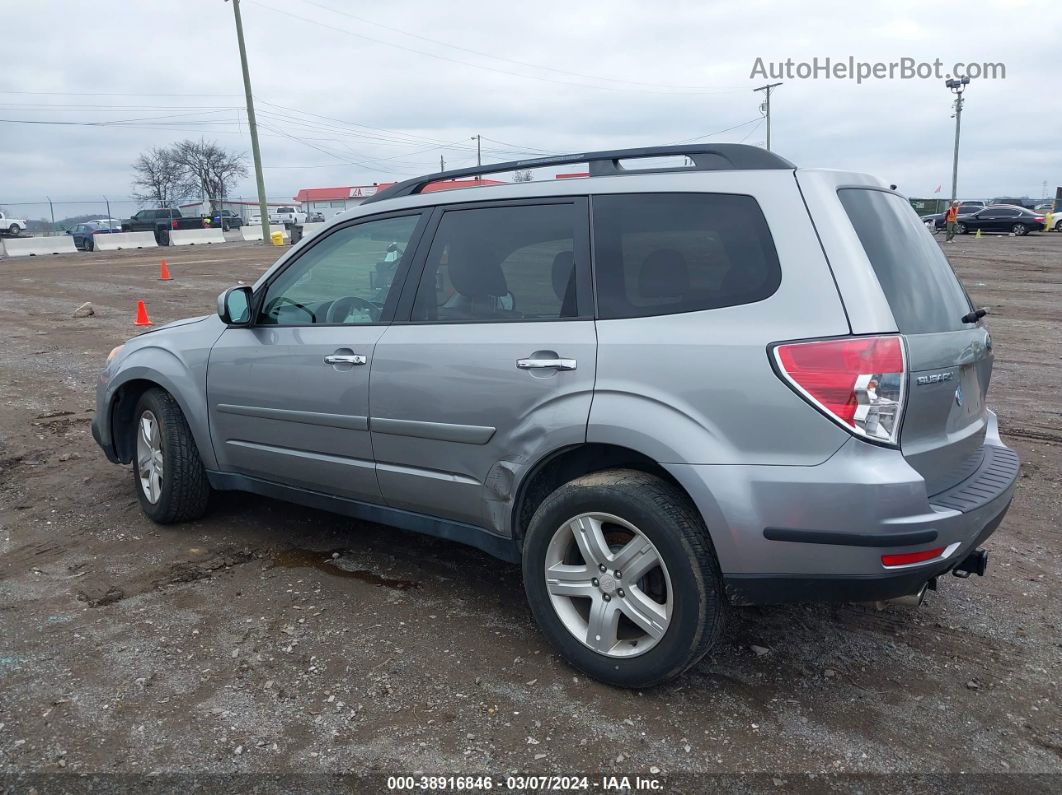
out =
column 663, row 253
column 922, row 290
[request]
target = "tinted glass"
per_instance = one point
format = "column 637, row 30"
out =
column 343, row 279
column 662, row 253
column 919, row 284
column 1006, row 212
column 503, row 264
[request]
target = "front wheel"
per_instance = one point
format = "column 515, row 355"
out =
column 171, row 483
column 13, row 230
column 1019, row 229
column 89, row 245
column 961, row 229
column 1058, row 226
column 622, row 578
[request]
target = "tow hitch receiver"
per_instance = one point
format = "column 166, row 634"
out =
column 974, row 563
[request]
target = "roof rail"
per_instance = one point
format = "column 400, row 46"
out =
column 705, row 157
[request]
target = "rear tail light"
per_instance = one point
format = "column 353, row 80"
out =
column 911, row 557
column 858, row 382
column 173, row 224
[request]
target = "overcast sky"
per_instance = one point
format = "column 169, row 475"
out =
column 357, row 92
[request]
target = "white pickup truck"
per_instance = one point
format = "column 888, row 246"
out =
column 287, row 215
column 11, row 226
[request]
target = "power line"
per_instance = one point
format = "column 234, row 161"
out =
column 108, row 94
column 717, row 132
column 469, row 63
column 673, row 88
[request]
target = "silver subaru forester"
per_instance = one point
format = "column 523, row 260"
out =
column 663, row 389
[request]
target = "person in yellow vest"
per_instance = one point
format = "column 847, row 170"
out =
column 951, row 221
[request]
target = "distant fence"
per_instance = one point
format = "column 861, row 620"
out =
column 56, row 217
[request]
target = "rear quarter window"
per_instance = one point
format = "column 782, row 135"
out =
column 922, row 290
column 665, row 253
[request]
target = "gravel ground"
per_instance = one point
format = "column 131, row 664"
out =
column 271, row 638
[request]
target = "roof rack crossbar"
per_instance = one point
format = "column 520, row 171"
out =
column 705, row 157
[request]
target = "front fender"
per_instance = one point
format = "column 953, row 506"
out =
column 176, row 360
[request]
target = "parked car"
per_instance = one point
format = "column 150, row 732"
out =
column 84, row 233
column 161, row 221
column 654, row 426
column 315, row 217
column 1025, row 202
column 12, row 226
column 114, row 224
column 226, row 219
column 936, row 220
column 1001, row 218
column 287, row 215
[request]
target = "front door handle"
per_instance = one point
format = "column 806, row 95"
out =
column 546, row 364
column 345, row 358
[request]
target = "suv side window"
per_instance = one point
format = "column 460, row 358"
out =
column 508, row 263
column 663, row 253
column 344, row 279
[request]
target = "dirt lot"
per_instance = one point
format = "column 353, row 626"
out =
column 273, row 638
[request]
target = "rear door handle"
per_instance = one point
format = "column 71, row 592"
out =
column 345, row 358
column 546, row 364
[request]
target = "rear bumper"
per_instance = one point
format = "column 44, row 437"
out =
column 761, row 590
column 786, row 534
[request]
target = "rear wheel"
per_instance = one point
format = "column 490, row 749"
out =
column 89, row 245
column 171, row 483
column 1019, row 229
column 13, row 230
column 961, row 228
column 621, row 577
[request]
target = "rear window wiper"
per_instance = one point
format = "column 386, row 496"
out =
column 974, row 316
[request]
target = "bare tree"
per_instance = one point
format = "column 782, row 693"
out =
column 158, row 178
column 209, row 169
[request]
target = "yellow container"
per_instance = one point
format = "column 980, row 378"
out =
column 277, row 237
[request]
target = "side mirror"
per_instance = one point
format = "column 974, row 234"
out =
column 234, row 306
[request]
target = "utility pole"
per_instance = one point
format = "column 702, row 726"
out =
column 766, row 107
column 108, row 210
column 479, row 156
column 442, row 164
column 51, row 207
column 957, row 86
column 255, row 151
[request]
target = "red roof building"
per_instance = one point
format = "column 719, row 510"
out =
column 331, row 201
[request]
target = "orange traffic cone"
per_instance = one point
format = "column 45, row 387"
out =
column 164, row 272
column 142, row 318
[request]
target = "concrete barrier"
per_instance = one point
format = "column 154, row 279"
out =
column 116, row 241
column 194, row 237
column 34, row 246
column 253, row 233
column 309, row 230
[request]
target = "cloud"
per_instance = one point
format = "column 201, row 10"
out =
column 356, row 94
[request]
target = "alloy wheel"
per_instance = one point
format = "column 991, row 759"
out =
column 149, row 456
column 608, row 584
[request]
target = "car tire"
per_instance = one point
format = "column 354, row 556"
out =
column 1058, row 226
column 1020, row 229
column 14, row 230
column 168, row 474
column 677, row 597
column 163, row 237
column 89, row 245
